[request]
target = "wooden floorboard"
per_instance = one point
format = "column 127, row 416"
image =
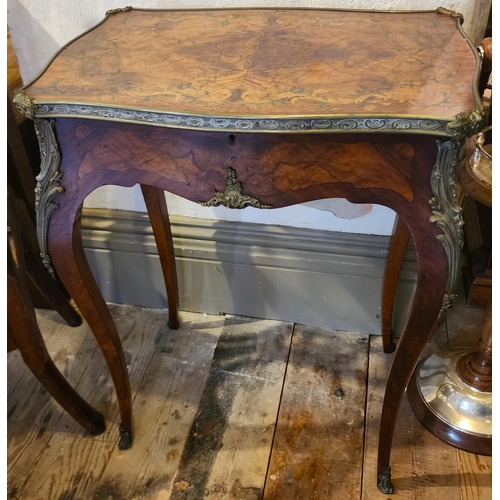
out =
column 73, row 461
column 33, row 416
column 318, row 447
column 423, row 467
column 248, row 408
column 229, row 408
column 475, row 476
column 163, row 412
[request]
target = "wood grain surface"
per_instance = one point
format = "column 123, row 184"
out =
column 268, row 63
column 278, row 169
column 33, row 414
column 50, row 458
column 430, row 469
column 64, row 472
column 320, row 427
column 165, row 405
column 475, row 476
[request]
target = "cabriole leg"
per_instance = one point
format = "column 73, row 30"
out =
column 158, row 215
column 66, row 250
column 438, row 267
column 60, row 241
column 424, row 313
column 395, row 255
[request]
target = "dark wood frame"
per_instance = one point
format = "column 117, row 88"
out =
column 112, row 163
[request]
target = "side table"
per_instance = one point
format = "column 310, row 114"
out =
column 263, row 108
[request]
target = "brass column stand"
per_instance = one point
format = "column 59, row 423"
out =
column 450, row 394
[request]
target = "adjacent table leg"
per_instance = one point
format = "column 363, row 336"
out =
column 41, row 279
column 395, row 255
column 158, row 215
column 23, row 333
column 38, row 277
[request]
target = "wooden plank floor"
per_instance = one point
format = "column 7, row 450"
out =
column 229, row 408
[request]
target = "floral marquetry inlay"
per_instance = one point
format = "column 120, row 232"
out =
column 232, row 70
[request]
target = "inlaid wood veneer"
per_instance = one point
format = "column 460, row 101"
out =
column 266, row 70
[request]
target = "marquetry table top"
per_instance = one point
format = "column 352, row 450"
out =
column 252, row 69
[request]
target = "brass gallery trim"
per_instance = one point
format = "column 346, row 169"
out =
column 477, row 57
column 115, row 11
column 439, row 10
column 232, row 196
column 24, row 104
column 467, row 124
column 464, row 124
column 94, row 104
column 27, row 106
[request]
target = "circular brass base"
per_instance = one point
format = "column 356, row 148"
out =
column 448, row 407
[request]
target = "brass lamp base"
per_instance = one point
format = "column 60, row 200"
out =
column 447, row 406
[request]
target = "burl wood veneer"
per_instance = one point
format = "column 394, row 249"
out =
column 263, row 108
column 242, row 62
